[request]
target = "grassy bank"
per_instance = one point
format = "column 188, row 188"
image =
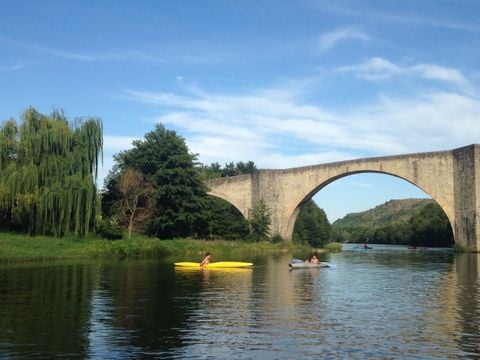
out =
column 21, row 247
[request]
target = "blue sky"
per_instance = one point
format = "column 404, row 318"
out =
column 281, row 83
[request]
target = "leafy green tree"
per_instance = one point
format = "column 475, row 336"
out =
column 430, row 227
column 260, row 221
column 48, row 169
column 312, row 226
column 165, row 162
column 207, row 172
column 245, row 167
column 225, row 221
column 400, row 222
column 214, row 170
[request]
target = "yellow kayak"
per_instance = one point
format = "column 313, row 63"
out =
column 218, row 264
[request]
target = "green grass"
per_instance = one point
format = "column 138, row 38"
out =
column 15, row 246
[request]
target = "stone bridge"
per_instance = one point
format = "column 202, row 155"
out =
column 451, row 178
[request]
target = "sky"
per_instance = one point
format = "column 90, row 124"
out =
column 280, row 83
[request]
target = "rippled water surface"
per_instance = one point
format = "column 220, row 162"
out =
column 380, row 303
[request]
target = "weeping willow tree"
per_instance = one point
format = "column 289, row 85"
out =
column 48, row 169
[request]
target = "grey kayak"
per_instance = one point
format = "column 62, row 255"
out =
column 304, row 265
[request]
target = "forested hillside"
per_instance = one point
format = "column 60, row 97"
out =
column 419, row 222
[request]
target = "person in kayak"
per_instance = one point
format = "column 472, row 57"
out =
column 314, row 259
column 206, row 259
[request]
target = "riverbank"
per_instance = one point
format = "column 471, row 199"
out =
column 22, row 247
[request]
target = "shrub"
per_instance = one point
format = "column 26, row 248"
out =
column 110, row 230
column 276, row 238
column 333, row 246
column 459, row 248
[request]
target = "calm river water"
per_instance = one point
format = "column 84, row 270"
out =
column 385, row 303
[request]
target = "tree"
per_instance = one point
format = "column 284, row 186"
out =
column 135, row 205
column 48, row 169
column 312, row 226
column 225, row 221
column 214, row 170
column 260, row 221
column 165, row 162
column 430, row 227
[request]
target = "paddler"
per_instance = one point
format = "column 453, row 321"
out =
column 206, row 259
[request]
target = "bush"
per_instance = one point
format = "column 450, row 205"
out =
column 459, row 248
column 276, row 238
column 110, row 230
column 334, row 246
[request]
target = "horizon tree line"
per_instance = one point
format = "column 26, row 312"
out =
column 48, row 168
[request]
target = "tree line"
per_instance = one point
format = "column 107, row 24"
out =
column 427, row 225
column 48, row 171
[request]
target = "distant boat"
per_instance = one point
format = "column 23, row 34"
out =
column 363, row 247
column 304, row 265
column 417, row 248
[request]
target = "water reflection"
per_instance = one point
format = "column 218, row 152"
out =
column 468, row 303
column 371, row 305
column 45, row 310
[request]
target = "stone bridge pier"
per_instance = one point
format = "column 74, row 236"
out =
column 451, row 178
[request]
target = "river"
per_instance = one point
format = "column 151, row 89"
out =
column 384, row 303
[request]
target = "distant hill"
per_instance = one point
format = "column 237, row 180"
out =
column 390, row 212
column 418, row 222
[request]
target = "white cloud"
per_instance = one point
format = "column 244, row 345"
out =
column 277, row 129
column 372, row 69
column 148, row 54
column 331, row 39
column 11, row 68
column 380, row 69
column 419, row 16
column 117, row 143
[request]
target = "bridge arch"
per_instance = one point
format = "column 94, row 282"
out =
column 451, row 178
column 316, row 189
column 237, row 190
column 232, row 204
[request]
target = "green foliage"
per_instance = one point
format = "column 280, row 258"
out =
column 460, row 248
column 224, row 220
column 391, row 211
column 276, row 238
column 312, row 226
column 431, row 226
column 333, row 246
column 48, row 169
column 22, row 247
column 260, row 221
column 215, row 170
column 109, row 229
column 420, row 222
column 179, row 195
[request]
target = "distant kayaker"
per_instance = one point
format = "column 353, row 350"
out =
column 314, row 260
column 206, row 259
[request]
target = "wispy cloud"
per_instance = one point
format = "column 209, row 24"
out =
column 274, row 131
column 331, row 39
column 363, row 11
column 12, row 68
column 380, row 69
column 148, row 55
